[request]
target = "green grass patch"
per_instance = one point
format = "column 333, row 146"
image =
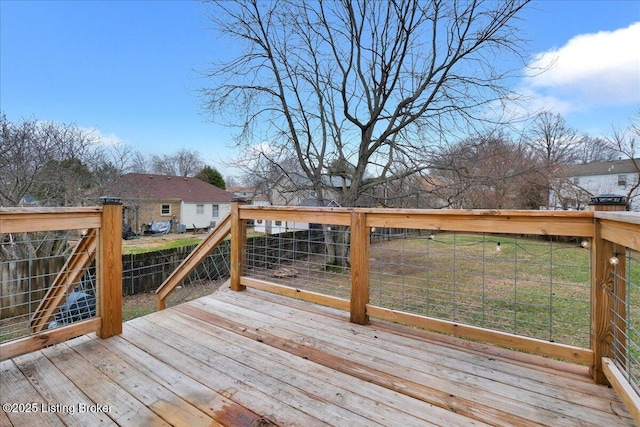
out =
column 129, row 313
column 526, row 286
column 162, row 245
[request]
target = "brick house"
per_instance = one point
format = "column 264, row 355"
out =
column 185, row 200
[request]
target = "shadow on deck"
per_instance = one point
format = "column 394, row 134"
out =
column 253, row 358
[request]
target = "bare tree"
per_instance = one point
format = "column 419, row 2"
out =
column 626, row 142
column 555, row 144
column 46, row 160
column 140, row 163
column 489, row 171
column 181, row 163
column 553, row 140
column 370, row 83
column 595, row 149
column 56, row 164
column 363, row 82
column 264, row 172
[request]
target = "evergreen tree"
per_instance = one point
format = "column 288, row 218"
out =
column 212, row 176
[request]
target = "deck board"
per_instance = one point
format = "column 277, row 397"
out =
column 439, row 362
column 257, row 359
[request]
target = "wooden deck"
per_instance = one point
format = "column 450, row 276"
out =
column 257, row 359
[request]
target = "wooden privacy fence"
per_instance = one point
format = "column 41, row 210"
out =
column 101, row 242
column 24, row 282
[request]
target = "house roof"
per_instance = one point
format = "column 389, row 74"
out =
column 301, row 180
column 602, row 168
column 187, row 189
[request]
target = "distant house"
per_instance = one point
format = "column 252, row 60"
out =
column 249, row 194
column 292, row 189
column 276, row 227
column 184, row 200
column 576, row 184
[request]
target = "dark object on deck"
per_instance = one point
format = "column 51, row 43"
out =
column 78, row 306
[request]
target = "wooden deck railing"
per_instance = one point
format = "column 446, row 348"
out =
column 610, row 233
column 610, row 236
column 102, row 242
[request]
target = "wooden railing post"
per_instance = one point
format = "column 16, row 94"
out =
column 359, row 268
column 606, row 297
column 109, row 268
column 238, row 241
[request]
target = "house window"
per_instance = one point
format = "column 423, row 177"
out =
column 215, row 211
column 199, row 209
column 165, row 210
column 259, row 221
column 622, row 180
column 576, row 180
column 278, row 223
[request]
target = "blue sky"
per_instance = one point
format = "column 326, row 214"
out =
column 130, row 69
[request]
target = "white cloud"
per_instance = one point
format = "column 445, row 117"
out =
column 590, row 70
column 110, row 139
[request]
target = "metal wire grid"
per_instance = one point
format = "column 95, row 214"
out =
column 626, row 317
column 300, row 258
column 530, row 287
column 29, row 265
column 27, row 273
column 521, row 285
column 144, row 273
column 205, row 278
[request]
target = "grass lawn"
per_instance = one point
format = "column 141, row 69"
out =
column 520, row 285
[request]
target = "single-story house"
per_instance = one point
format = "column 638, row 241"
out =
column 186, row 201
column 293, row 189
column 277, row 227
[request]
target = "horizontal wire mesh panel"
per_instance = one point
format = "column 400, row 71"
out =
column 31, row 280
column 626, row 316
column 304, row 256
column 526, row 286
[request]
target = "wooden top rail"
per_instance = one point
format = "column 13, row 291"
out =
column 547, row 223
column 337, row 216
column 24, row 220
column 622, row 228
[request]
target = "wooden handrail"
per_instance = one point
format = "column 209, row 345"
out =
column 25, row 220
column 192, row 260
